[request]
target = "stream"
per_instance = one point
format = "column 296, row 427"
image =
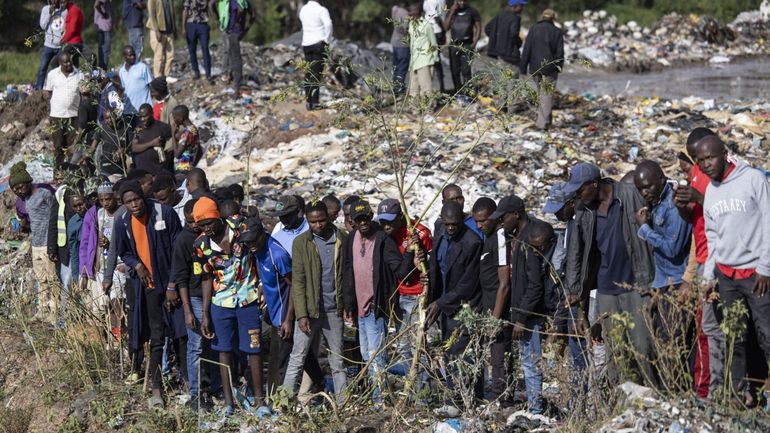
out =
column 739, row 79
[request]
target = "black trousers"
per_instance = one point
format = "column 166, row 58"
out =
column 732, row 291
column 315, row 55
column 157, row 325
column 63, row 133
column 460, row 58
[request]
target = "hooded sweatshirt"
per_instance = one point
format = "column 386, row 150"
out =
column 53, row 25
column 737, row 216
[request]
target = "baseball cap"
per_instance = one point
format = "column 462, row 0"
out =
column 360, row 208
column 517, row 2
column 254, row 228
column 508, row 204
column 557, row 198
column 286, row 204
column 580, row 174
column 388, row 210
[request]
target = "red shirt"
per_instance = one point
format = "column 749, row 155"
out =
column 699, row 181
column 728, row 271
column 157, row 109
column 412, row 285
column 73, row 25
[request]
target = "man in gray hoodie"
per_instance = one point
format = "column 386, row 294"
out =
column 736, row 209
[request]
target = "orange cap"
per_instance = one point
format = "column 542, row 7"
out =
column 205, row 209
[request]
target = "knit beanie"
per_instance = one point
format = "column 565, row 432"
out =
column 19, row 174
column 131, row 186
column 205, row 209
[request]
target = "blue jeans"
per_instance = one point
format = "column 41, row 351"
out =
column 194, row 346
column 136, row 40
column 105, row 39
column 400, row 68
column 66, row 290
column 531, row 352
column 198, row 32
column 46, row 56
column 371, row 336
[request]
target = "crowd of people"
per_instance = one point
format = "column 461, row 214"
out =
column 177, row 265
column 136, row 234
column 421, row 32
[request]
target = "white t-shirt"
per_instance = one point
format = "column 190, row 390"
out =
column 65, row 96
column 433, row 9
column 316, row 24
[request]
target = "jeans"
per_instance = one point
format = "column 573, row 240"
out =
column 194, row 346
column 371, row 337
column 46, row 56
column 400, row 68
column 409, row 316
column 136, row 40
column 315, row 56
column 331, row 325
column 104, row 49
column 732, row 291
column 531, row 352
column 198, row 32
column 460, row 58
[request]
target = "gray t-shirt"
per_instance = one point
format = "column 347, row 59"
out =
column 328, row 301
column 39, row 207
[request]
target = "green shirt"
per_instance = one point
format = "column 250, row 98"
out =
column 423, row 45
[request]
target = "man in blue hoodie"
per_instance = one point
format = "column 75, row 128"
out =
column 736, row 209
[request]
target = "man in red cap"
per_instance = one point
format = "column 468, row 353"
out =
column 231, row 304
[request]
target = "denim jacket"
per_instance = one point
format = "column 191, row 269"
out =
column 669, row 236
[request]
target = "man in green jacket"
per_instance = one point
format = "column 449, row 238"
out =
column 317, row 295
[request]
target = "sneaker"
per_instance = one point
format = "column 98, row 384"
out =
column 156, row 403
column 133, row 379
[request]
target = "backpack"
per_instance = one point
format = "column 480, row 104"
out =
column 462, row 26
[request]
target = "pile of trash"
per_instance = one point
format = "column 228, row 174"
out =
column 674, row 40
column 646, row 413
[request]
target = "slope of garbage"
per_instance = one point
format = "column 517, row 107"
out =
column 600, row 39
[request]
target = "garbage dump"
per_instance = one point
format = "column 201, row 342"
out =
column 675, row 39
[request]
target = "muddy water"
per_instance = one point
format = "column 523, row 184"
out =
column 739, row 79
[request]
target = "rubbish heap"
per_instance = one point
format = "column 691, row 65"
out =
column 602, row 40
column 645, row 413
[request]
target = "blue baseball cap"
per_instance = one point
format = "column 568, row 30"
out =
column 557, row 198
column 388, row 210
column 517, row 2
column 580, row 174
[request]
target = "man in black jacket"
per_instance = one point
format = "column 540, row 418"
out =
column 454, row 273
column 372, row 267
column 606, row 254
column 543, row 57
column 503, row 32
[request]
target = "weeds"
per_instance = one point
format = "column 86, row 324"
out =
column 15, row 420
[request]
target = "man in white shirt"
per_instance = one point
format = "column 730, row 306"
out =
column 61, row 86
column 316, row 36
column 435, row 10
